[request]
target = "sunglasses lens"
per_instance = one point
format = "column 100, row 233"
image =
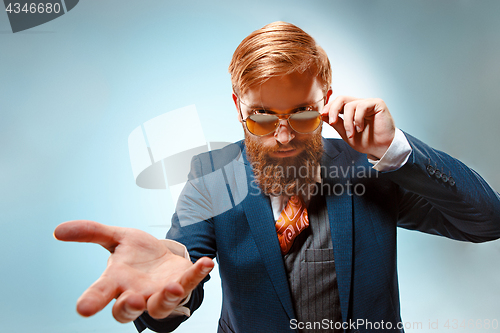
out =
column 260, row 124
column 305, row 122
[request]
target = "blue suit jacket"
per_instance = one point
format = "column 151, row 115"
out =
column 256, row 295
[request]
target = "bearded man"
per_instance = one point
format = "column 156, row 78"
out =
column 295, row 253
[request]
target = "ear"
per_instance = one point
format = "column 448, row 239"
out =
column 328, row 94
column 235, row 100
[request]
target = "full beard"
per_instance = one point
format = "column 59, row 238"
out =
column 288, row 175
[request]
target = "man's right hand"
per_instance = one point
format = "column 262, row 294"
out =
column 142, row 273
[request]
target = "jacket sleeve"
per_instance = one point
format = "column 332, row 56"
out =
column 442, row 196
column 192, row 226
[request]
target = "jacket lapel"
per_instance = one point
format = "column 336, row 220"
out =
column 339, row 206
column 261, row 221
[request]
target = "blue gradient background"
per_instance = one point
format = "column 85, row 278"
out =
column 73, row 89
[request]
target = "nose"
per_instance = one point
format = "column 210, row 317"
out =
column 284, row 134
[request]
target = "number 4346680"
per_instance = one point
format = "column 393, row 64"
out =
column 472, row 324
column 33, row 8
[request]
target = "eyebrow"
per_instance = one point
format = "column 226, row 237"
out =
column 268, row 110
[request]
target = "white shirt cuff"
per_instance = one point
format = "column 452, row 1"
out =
column 180, row 250
column 396, row 155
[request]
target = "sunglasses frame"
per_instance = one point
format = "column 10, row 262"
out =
column 286, row 116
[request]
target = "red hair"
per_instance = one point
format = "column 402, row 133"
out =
column 277, row 49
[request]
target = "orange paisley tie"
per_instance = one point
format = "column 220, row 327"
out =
column 293, row 219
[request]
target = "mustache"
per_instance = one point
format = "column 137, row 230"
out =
column 279, row 146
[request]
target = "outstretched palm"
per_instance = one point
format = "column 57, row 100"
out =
column 142, row 273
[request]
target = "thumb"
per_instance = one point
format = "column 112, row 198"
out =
column 162, row 303
column 196, row 273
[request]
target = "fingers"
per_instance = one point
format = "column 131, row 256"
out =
column 355, row 111
column 162, row 303
column 90, row 232
column 349, row 110
column 355, row 114
column 97, row 296
column 331, row 113
column 128, row 307
column 336, row 107
column 338, row 126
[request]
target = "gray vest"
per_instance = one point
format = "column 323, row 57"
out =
column 311, row 273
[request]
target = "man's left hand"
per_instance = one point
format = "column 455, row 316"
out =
column 367, row 126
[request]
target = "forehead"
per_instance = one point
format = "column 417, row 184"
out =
column 285, row 92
